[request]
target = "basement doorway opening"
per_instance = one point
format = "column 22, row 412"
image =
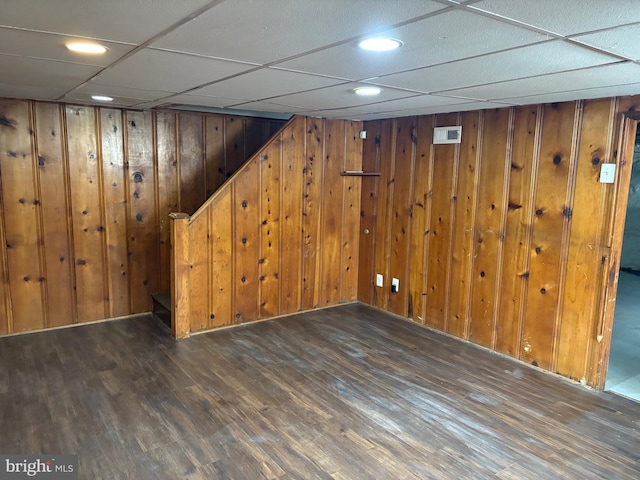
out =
column 623, row 373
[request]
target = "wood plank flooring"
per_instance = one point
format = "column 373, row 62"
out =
column 343, row 393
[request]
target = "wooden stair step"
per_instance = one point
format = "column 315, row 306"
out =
column 162, row 307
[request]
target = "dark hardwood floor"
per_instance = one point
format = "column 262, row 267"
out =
column 346, row 393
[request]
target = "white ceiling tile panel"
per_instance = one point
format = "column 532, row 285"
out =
column 447, row 108
column 34, row 93
column 565, row 17
column 133, row 21
column 52, row 47
column 339, row 96
column 203, row 100
column 539, row 59
column 444, row 38
column 172, row 72
column 23, row 71
column 608, row 75
column 266, row 83
column 418, row 101
column 599, row 92
column 269, row 107
column 85, row 98
column 620, row 40
column 265, row 31
column 93, row 88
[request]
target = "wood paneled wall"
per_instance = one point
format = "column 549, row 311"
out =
column 280, row 237
column 86, row 194
column 503, row 240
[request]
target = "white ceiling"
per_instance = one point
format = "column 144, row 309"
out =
column 301, row 56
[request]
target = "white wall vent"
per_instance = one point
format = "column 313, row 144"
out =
column 447, row 135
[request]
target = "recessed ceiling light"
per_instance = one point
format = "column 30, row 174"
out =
column 380, row 44
column 86, row 47
column 367, row 91
column 102, row 98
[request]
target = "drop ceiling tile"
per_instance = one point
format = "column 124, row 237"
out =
column 374, row 116
column 415, row 102
column 565, row 17
column 263, row 32
column 150, row 105
column 204, row 100
column 448, row 108
column 85, row 98
column 93, row 88
column 599, row 92
column 266, row 83
column 52, row 47
column 119, row 20
column 547, row 57
column 22, row 71
column 608, row 75
column 269, row 107
column 449, row 36
column 338, row 96
column 616, row 40
column 33, row 93
column 166, row 71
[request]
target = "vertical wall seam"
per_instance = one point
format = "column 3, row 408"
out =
column 280, row 189
column 566, row 231
column 234, row 266
column 473, row 227
column 39, row 218
column 127, row 193
column 427, row 228
column 178, row 160
column 210, row 239
column 506, row 187
column 374, row 214
column 412, row 192
column 156, row 185
column 343, row 181
column 259, row 161
column 531, row 207
column 106, row 285
column 5, row 266
column 303, row 192
column 320, row 229
column 453, row 203
column 69, row 208
column 389, row 211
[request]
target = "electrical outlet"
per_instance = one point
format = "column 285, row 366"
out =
column 395, row 285
column 379, row 280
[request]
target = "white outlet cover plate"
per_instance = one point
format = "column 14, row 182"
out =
column 379, row 280
column 608, row 173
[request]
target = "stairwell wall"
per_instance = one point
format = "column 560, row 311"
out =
column 280, row 237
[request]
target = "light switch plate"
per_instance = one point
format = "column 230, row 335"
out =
column 379, row 280
column 607, row 173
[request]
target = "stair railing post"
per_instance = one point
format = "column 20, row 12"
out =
column 180, row 265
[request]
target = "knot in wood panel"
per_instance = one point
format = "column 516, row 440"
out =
column 7, row 122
